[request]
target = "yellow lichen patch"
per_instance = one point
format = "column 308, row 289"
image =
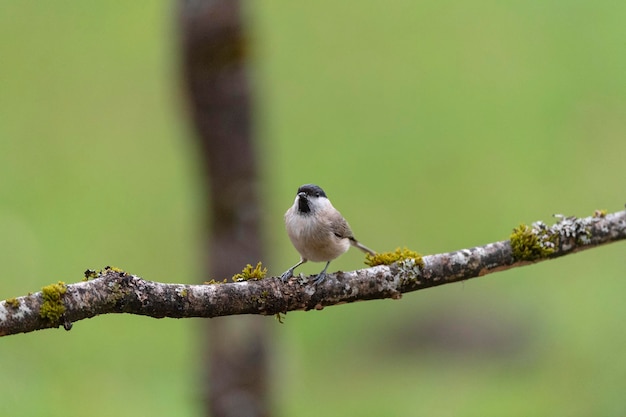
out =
column 387, row 258
column 12, row 302
column 91, row 274
column 213, row 282
column 600, row 213
column 529, row 245
column 280, row 317
column 250, row 272
column 53, row 307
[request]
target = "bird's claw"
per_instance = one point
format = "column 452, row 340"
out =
column 286, row 275
column 320, row 277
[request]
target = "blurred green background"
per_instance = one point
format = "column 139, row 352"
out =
column 435, row 125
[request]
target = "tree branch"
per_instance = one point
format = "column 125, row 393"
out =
column 115, row 291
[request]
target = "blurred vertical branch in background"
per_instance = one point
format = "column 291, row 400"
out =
column 215, row 69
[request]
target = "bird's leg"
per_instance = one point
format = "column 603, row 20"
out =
column 322, row 275
column 289, row 273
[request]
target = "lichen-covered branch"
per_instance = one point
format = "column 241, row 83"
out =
column 114, row 291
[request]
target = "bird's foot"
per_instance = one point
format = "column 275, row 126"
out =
column 287, row 274
column 320, row 277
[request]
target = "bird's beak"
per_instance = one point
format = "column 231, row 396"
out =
column 302, row 195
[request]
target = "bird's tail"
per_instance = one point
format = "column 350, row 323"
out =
column 362, row 247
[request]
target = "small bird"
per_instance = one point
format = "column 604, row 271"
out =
column 317, row 230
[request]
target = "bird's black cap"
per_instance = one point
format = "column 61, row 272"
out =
column 312, row 190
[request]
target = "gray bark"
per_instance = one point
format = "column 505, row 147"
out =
column 120, row 292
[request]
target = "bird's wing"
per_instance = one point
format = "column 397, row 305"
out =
column 342, row 230
column 340, row 227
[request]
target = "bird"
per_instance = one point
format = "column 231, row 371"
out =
column 317, row 230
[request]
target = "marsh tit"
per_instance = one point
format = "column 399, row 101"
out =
column 317, row 230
